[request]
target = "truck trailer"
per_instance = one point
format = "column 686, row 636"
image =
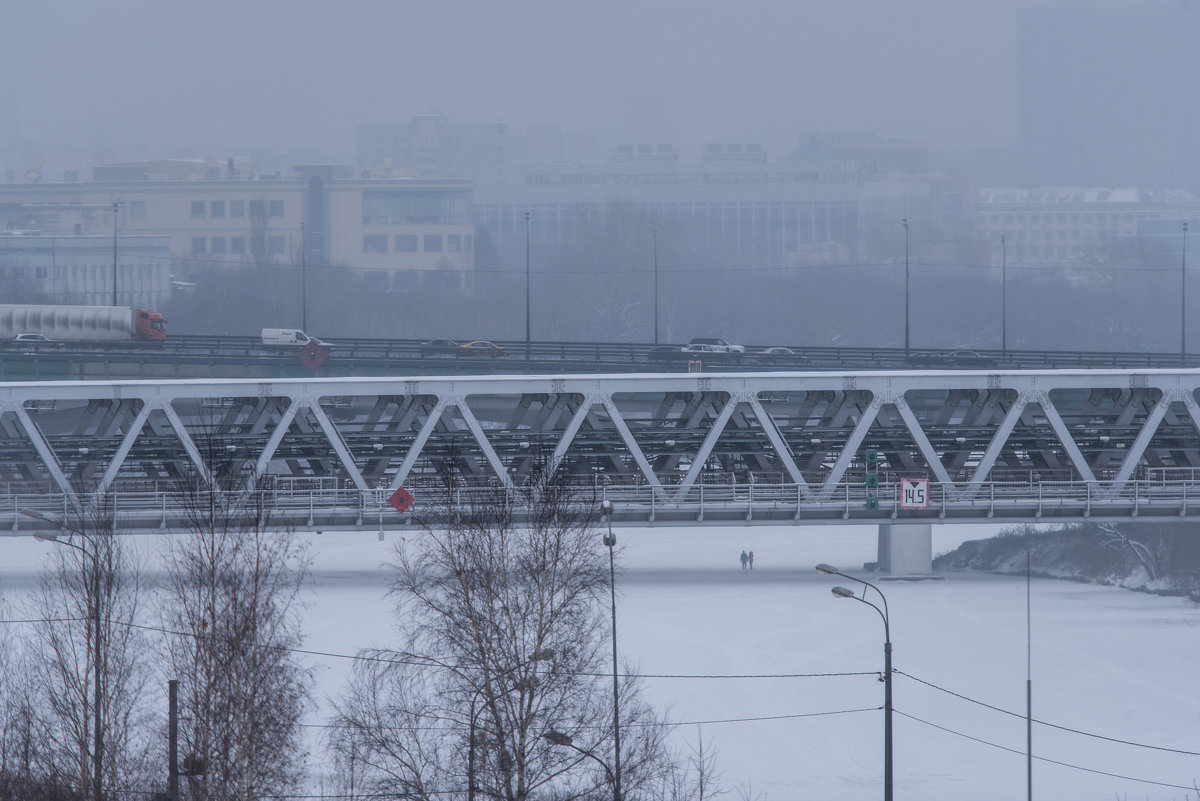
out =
column 82, row 323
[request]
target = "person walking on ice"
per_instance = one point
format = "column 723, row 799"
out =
column 750, row 559
column 745, row 559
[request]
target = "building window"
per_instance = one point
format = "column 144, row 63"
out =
column 237, row 209
column 197, row 209
column 406, row 243
column 258, row 208
column 237, row 244
column 374, row 244
column 218, row 245
column 454, row 242
column 277, row 245
column 276, row 208
column 467, row 243
column 216, row 209
column 433, row 243
column 198, row 244
column 137, row 210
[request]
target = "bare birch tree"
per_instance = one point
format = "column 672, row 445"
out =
column 90, row 659
column 232, row 604
column 502, row 617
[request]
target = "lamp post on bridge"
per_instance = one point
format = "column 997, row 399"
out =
column 904, row 222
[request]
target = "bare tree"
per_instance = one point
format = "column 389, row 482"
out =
column 501, row 613
column 91, row 662
column 232, row 603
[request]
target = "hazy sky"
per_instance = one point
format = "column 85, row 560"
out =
column 224, row 74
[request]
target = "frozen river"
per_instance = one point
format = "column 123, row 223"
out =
column 1106, row 663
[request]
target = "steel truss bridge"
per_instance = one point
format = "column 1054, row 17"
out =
column 675, row 448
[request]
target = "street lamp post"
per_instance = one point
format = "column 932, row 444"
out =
column 97, row 727
column 303, row 280
column 1183, row 300
column 904, row 222
column 559, row 738
column 528, row 347
column 1003, row 294
column 610, row 540
column 842, row 592
column 655, row 286
column 116, row 210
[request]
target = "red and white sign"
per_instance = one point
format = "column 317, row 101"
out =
column 914, row 493
column 401, row 499
column 313, row 355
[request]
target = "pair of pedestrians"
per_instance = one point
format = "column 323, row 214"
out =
column 747, row 560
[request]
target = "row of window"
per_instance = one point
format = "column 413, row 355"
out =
column 432, row 243
column 236, row 245
column 215, row 209
column 1061, row 219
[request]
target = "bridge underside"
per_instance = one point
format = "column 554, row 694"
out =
column 779, row 447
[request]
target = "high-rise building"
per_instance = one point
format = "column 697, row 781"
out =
column 1106, row 94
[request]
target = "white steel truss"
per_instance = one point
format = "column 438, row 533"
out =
column 667, row 435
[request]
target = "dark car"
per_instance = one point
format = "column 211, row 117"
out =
column 666, row 353
column 480, row 349
column 950, row 359
column 968, row 358
column 439, row 347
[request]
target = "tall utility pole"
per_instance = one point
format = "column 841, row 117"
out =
column 1183, row 300
column 116, row 210
column 1003, row 294
column 173, row 739
column 528, row 344
column 303, row 280
column 655, row 286
column 904, row 222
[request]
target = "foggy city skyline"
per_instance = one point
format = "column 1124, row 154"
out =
column 227, row 76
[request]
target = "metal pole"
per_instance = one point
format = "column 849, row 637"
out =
column 887, row 715
column 611, row 541
column 116, row 206
column 173, row 739
column 528, row 347
column 655, row 286
column 1003, row 294
column 904, row 222
column 303, row 280
column 98, row 734
column 1183, row 300
column 1028, row 674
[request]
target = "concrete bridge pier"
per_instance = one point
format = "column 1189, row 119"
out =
column 906, row 549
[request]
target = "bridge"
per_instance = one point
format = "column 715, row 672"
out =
column 667, row 448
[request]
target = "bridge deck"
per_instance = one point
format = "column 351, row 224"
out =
column 789, row 446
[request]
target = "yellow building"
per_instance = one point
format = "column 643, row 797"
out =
column 317, row 215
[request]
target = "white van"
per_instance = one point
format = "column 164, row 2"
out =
column 287, row 336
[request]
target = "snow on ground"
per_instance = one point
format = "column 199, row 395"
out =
column 1104, row 661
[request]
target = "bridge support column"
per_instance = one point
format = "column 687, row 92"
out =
column 907, row 549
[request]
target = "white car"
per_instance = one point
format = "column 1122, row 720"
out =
column 716, row 345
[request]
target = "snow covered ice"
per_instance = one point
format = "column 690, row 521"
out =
column 1105, row 661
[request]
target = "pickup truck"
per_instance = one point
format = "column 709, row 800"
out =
column 715, row 345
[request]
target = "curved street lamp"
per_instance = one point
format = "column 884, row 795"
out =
column 559, row 738
column 843, row 592
column 97, row 730
column 610, row 540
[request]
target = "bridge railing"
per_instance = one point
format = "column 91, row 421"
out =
column 325, row 506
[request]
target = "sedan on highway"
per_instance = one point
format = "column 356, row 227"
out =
column 780, row 355
column 439, row 347
column 481, row 349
